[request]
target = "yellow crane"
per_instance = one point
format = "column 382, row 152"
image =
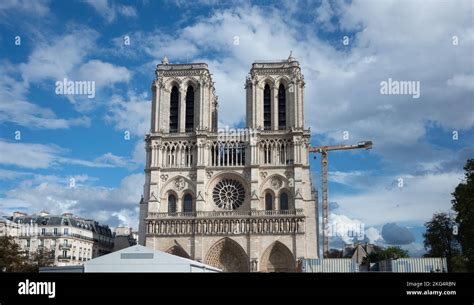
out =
column 324, row 183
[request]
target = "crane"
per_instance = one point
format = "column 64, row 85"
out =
column 324, row 182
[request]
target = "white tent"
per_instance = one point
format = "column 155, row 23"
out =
column 142, row 259
column 136, row 259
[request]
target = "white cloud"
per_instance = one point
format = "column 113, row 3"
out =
column 130, row 114
column 34, row 8
column 113, row 206
column 109, row 10
column 15, row 108
column 58, row 60
column 324, row 15
column 37, row 156
column 104, row 74
column 347, row 229
column 11, row 175
column 464, row 81
column 415, row 202
column 351, row 178
column 138, row 154
column 112, row 160
column 373, row 235
column 63, row 58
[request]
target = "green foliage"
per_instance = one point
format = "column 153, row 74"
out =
column 440, row 240
column 463, row 204
column 15, row 260
column 383, row 254
column 335, row 253
column 11, row 256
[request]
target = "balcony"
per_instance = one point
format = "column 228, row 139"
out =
column 227, row 214
column 215, row 223
column 64, row 258
column 65, row 246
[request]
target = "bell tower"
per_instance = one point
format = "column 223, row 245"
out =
column 274, row 92
column 184, row 98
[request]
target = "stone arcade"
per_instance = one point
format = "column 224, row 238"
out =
column 237, row 202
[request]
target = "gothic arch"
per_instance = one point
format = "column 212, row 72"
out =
column 277, row 258
column 166, row 188
column 227, row 255
column 188, row 202
column 171, row 207
column 170, row 82
column 266, row 183
column 228, row 174
column 190, row 81
column 283, row 79
column 267, row 80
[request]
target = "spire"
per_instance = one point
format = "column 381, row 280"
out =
column 291, row 58
column 165, row 61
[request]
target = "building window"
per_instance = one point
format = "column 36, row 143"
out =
column 281, row 107
column 174, row 109
column 28, row 243
column 66, row 231
column 284, row 201
column 188, row 203
column 171, row 204
column 55, row 231
column 190, row 109
column 268, row 202
column 267, row 108
column 43, row 231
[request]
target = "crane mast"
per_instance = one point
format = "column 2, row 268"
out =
column 324, row 183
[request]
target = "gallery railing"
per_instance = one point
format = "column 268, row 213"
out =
column 230, row 214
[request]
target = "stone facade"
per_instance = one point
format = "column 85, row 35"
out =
column 240, row 200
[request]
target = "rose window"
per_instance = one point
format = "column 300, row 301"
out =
column 228, row 194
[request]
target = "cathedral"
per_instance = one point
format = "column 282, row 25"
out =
column 240, row 200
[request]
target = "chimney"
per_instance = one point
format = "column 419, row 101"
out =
column 19, row 214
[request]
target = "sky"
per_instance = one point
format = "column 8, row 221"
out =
column 85, row 155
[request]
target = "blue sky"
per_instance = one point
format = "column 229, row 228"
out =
column 64, row 137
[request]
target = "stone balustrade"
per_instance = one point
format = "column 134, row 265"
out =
column 226, row 223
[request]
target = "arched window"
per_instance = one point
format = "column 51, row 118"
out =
column 281, row 107
column 267, row 108
column 268, row 202
column 174, row 109
column 171, row 204
column 190, row 109
column 188, row 203
column 283, row 201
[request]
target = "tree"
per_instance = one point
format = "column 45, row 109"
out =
column 463, row 204
column 334, row 253
column 440, row 240
column 394, row 253
column 12, row 259
column 383, row 254
column 40, row 258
